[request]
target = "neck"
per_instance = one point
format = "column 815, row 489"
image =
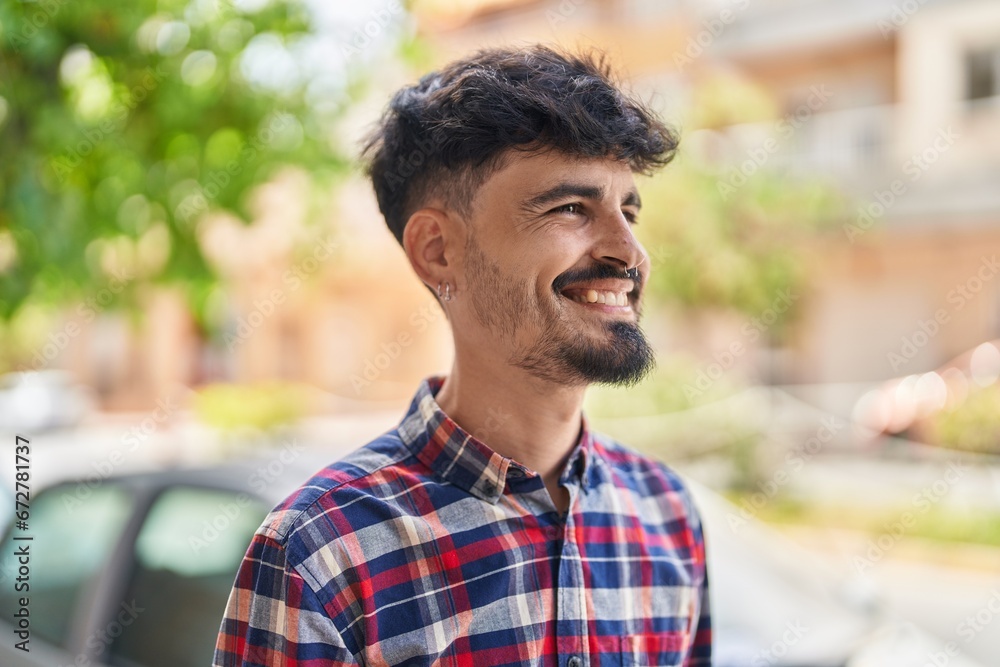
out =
column 535, row 422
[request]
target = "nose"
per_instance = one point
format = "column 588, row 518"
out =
column 617, row 244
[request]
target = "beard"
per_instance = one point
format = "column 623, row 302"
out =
column 548, row 342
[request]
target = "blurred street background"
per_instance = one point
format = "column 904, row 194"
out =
column 193, row 269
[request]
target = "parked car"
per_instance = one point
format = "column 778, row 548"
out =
column 132, row 570
column 135, row 571
column 36, row 401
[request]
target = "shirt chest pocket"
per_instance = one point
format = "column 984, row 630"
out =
column 674, row 608
column 654, row 649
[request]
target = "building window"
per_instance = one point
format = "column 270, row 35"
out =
column 982, row 73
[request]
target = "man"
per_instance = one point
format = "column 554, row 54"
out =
column 492, row 526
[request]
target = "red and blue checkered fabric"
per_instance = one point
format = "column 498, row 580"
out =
column 426, row 547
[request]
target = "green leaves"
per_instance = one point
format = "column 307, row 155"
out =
column 735, row 239
column 122, row 126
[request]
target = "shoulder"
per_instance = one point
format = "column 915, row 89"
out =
column 650, row 474
column 649, row 478
column 377, row 471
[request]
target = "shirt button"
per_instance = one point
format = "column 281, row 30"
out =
column 574, row 661
column 489, row 489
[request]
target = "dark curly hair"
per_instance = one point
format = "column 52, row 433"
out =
column 448, row 133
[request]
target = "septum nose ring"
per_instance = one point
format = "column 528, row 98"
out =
column 634, row 271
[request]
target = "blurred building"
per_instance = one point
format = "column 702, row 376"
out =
column 912, row 127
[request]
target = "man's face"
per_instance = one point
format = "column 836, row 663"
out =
column 545, row 281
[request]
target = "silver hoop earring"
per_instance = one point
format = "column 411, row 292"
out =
column 447, row 291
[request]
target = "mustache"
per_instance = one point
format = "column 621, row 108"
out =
column 596, row 272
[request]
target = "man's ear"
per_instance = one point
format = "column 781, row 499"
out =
column 430, row 239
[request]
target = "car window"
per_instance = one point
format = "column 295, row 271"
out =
column 73, row 530
column 186, row 557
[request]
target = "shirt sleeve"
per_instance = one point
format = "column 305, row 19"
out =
column 274, row 619
column 700, row 654
column 701, row 648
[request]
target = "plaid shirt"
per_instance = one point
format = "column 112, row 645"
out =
column 426, row 547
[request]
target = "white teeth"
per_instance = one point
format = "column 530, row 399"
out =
column 607, row 298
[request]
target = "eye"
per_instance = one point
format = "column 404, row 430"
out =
column 631, row 216
column 572, row 209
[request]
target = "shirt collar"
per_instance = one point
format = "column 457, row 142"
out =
column 463, row 460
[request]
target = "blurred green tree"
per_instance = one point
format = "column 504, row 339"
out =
column 744, row 252
column 727, row 236
column 121, row 124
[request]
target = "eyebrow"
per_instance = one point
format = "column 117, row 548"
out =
column 584, row 191
column 632, row 198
